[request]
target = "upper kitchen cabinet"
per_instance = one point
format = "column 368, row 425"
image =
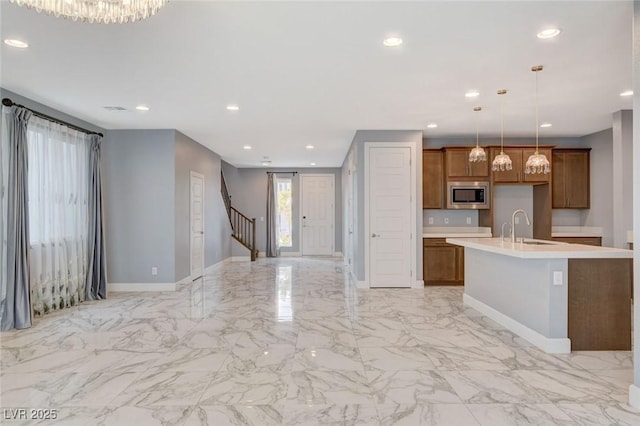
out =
column 519, row 157
column 458, row 167
column 571, row 189
column 432, row 179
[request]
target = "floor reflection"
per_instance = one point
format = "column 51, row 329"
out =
column 283, row 294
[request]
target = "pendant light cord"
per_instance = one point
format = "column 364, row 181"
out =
column 502, row 125
column 537, row 126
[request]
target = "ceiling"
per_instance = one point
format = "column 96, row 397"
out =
column 315, row 72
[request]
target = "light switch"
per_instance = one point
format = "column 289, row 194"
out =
column 430, row 221
column 557, row 277
column 446, row 220
column 468, row 221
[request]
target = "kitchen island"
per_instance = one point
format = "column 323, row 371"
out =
column 560, row 297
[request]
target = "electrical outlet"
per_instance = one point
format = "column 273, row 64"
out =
column 517, row 220
column 468, row 221
column 261, row 218
column 154, row 271
column 430, row 221
column 557, row 277
column 446, row 220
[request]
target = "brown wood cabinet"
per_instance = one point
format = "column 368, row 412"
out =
column 458, row 167
column 571, row 179
column 519, row 157
column 443, row 262
column 589, row 241
column 432, row 179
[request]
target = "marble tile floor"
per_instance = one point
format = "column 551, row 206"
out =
column 292, row 342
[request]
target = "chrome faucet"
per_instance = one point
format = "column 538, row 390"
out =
column 513, row 223
column 502, row 230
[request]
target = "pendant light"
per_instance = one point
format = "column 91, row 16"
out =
column 477, row 153
column 502, row 161
column 537, row 163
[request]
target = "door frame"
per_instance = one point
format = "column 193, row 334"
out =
column 413, row 252
column 333, row 210
column 191, row 176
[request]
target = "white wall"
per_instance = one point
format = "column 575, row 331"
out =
column 635, row 388
column 622, row 176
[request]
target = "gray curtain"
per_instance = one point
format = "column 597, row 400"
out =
column 16, row 307
column 272, row 216
column 96, row 282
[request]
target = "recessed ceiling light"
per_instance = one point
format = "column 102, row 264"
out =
column 627, row 93
column 392, row 41
column 546, row 125
column 309, row 146
column 16, row 43
column 142, row 108
column 266, row 163
column 472, row 94
column 549, row 33
column 432, row 125
column 233, row 107
column 312, row 164
column 247, row 147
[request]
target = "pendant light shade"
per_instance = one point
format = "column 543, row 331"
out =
column 477, row 153
column 537, row 163
column 502, row 161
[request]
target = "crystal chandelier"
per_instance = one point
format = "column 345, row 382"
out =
column 502, row 161
column 98, row 11
column 477, row 153
column 537, row 163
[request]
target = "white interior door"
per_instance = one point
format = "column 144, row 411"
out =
column 318, row 214
column 390, row 225
column 197, row 225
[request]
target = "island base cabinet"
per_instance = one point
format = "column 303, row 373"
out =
column 599, row 304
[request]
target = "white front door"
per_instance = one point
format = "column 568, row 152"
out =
column 317, row 214
column 390, row 228
column 197, row 225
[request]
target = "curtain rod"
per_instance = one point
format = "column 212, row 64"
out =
column 270, row 173
column 8, row 102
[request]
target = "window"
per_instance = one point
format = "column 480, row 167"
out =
column 285, row 223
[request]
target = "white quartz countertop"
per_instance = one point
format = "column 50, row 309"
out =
column 576, row 231
column 548, row 250
column 456, row 231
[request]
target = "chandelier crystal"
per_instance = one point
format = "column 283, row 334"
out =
column 477, row 153
column 96, row 11
column 502, row 161
column 537, row 163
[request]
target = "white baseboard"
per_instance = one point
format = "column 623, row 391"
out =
column 418, row 284
column 548, row 344
column 362, row 284
column 634, row 396
column 185, row 280
column 118, row 287
column 290, row 254
column 211, row 268
column 241, row 258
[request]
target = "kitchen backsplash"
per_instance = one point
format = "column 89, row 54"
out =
column 450, row 217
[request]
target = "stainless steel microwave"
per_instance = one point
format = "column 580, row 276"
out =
column 468, row 195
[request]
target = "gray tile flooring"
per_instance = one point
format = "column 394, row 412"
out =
column 291, row 341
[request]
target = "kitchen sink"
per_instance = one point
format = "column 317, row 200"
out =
column 538, row 243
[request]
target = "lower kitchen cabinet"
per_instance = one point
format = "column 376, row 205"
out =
column 443, row 262
column 589, row 241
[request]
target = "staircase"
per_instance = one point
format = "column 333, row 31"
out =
column 243, row 229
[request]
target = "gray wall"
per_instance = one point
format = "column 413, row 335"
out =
column 357, row 149
column 636, row 192
column 4, row 93
column 506, row 200
column 601, row 168
column 622, row 176
column 138, row 170
column 248, row 190
column 191, row 156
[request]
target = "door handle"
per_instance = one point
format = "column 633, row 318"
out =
column 375, row 235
